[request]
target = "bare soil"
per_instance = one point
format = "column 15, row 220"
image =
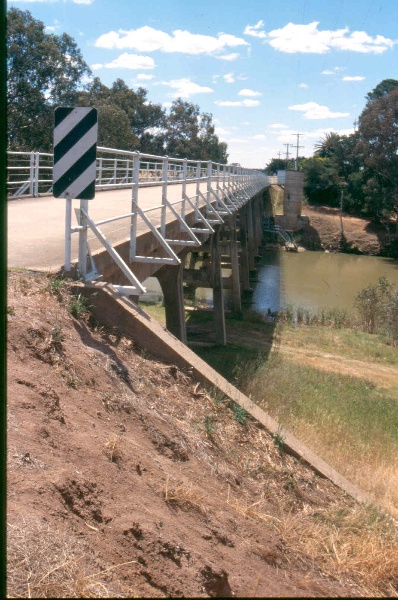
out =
column 361, row 235
column 127, row 479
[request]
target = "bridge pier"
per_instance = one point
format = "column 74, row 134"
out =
column 234, row 258
column 170, row 278
column 218, row 290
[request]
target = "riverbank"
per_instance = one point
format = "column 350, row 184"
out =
column 362, row 236
column 127, row 478
column 335, row 388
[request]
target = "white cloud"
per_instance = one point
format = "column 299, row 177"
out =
column 278, row 126
column 354, row 78
column 309, row 39
column 254, row 30
column 131, row 61
column 167, row 104
column 259, row 136
column 145, row 76
column 229, row 78
column 97, row 66
column 247, row 103
column 230, row 57
column 332, row 71
column 147, row 39
column 248, row 92
column 223, row 131
column 312, row 110
column 304, row 86
column 83, row 1
column 184, row 88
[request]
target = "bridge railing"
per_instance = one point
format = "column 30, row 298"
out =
column 30, row 173
column 209, row 191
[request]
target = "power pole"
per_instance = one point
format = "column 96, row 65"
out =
column 287, row 154
column 297, row 149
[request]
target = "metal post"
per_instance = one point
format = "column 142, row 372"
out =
column 32, row 173
column 209, row 175
column 115, row 172
column 134, row 203
column 83, row 240
column 100, row 172
column 184, row 185
column 36, row 176
column 68, row 227
column 198, row 174
column 165, row 169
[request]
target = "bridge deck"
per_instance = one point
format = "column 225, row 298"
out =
column 36, row 226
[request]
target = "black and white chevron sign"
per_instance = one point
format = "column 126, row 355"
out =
column 75, row 151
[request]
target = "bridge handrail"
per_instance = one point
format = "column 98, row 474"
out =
column 30, row 173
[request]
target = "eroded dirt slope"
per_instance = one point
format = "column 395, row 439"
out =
column 126, row 479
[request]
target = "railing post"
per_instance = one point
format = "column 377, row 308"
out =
column 209, row 178
column 184, row 185
column 115, row 171
column 134, row 203
column 165, row 170
column 32, row 174
column 100, row 172
column 36, row 175
column 198, row 174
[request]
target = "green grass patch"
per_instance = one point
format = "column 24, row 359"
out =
column 155, row 310
column 340, row 406
column 229, row 360
column 348, row 343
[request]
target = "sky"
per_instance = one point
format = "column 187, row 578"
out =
column 275, row 74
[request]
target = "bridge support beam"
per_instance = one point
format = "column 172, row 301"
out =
column 244, row 254
column 250, row 236
column 234, row 257
column 218, row 291
column 170, row 278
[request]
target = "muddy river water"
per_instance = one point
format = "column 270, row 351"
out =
column 315, row 280
column 310, row 280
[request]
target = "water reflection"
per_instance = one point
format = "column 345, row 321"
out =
column 315, row 280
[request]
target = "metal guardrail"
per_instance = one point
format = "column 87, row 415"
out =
column 220, row 191
column 30, row 173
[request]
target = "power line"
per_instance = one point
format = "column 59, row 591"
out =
column 297, row 146
column 287, row 153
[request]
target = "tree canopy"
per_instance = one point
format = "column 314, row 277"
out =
column 364, row 164
column 46, row 70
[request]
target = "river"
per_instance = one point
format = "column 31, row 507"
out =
column 316, row 280
column 310, row 280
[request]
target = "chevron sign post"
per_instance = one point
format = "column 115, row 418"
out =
column 75, row 152
column 74, row 170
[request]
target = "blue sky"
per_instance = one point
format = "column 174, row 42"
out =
column 265, row 69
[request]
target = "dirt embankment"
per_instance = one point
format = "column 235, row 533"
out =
column 127, row 479
column 361, row 235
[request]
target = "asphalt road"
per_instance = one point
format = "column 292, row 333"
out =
column 36, row 226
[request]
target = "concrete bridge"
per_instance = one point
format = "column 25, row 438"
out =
column 181, row 221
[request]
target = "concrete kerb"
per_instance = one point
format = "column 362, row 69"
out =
column 123, row 315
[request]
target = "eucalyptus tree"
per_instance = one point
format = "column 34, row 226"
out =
column 43, row 71
column 378, row 150
column 191, row 134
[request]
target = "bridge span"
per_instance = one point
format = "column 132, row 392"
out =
column 181, row 221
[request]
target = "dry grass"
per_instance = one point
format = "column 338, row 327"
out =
column 182, row 494
column 45, row 563
column 112, row 449
column 353, row 544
